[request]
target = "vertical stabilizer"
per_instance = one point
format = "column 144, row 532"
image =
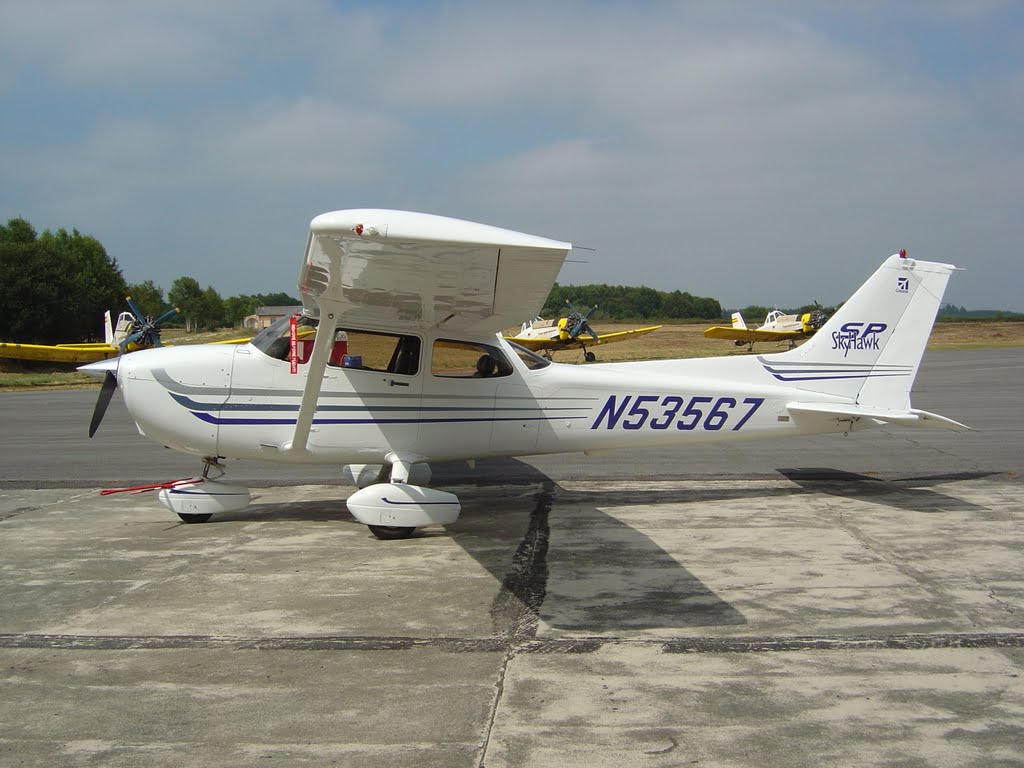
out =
column 870, row 349
column 108, row 329
column 737, row 321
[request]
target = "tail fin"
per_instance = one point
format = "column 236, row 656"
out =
column 737, row 321
column 870, row 349
column 109, row 329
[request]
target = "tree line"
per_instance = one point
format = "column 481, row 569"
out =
column 624, row 303
column 953, row 313
column 55, row 287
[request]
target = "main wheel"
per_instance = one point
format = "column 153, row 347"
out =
column 194, row 518
column 589, row 357
column 391, row 532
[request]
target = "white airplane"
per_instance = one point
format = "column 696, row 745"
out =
column 397, row 360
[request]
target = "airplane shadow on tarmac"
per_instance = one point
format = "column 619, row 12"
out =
column 911, row 494
column 597, row 574
column 600, row 575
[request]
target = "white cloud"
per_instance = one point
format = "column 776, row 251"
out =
column 305, row 141
column 106, row 44
column 693, row 143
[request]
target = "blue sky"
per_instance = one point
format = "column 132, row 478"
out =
column 755, row 152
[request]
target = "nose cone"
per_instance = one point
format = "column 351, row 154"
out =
column 98, row 370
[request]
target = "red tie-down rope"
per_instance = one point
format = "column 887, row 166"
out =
column 152, row 487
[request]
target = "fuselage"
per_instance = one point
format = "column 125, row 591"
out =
column 243, row 402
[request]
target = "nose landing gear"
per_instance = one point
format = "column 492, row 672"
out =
column 195, row 501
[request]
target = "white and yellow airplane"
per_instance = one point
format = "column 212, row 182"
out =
column 397, row 360
column 570, row 332
column 133, row 331
column 777, row 326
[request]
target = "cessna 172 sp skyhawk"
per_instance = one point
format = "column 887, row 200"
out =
column 397, row 360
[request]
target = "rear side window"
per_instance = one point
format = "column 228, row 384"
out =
column 468, row 360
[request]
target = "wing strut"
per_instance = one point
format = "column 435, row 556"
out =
column 314, row 379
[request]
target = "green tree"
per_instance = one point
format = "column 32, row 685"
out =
column 274, row 300
column 187, row 296
column 18, row 230
column 54, row 287
column 213, row 310
column 237, row 308
column 31, row 283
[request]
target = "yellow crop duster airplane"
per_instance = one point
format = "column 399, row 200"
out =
column 570, row 332
column 396, row 360
column 777, row 326
column 133, row 331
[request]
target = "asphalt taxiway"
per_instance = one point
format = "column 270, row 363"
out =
column 849, row 601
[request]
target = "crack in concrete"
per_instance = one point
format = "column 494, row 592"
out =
column 515, row 611
column 499, row 643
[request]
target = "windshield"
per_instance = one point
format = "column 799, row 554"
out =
column 532, row 360
column 274, row 339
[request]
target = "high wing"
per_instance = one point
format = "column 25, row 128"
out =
column 406, row 271
column 751, row 334
column 539, row 344
column 60, row 353
column 399, row 269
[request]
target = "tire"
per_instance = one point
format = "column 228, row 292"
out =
column 194, row 518
column 391, row 532
column 589, row 357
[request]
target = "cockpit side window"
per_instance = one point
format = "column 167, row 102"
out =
column 352, row 349
column 468, row 360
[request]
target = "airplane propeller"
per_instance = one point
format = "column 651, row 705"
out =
column 817, row 319
column 106, row 392
column 577, row 322
column 146, row 330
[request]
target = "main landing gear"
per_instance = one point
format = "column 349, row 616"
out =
column 393, row 500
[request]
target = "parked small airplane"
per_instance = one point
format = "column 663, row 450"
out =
column 777, row 326
column 420, row 372
column 133, row 331
column 570, row 332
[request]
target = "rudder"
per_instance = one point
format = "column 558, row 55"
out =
column 870, row 349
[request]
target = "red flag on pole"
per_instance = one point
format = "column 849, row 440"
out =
column 293, row 337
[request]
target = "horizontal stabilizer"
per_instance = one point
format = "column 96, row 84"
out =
column 842, row 412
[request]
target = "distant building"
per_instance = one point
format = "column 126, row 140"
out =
column 266, row 316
